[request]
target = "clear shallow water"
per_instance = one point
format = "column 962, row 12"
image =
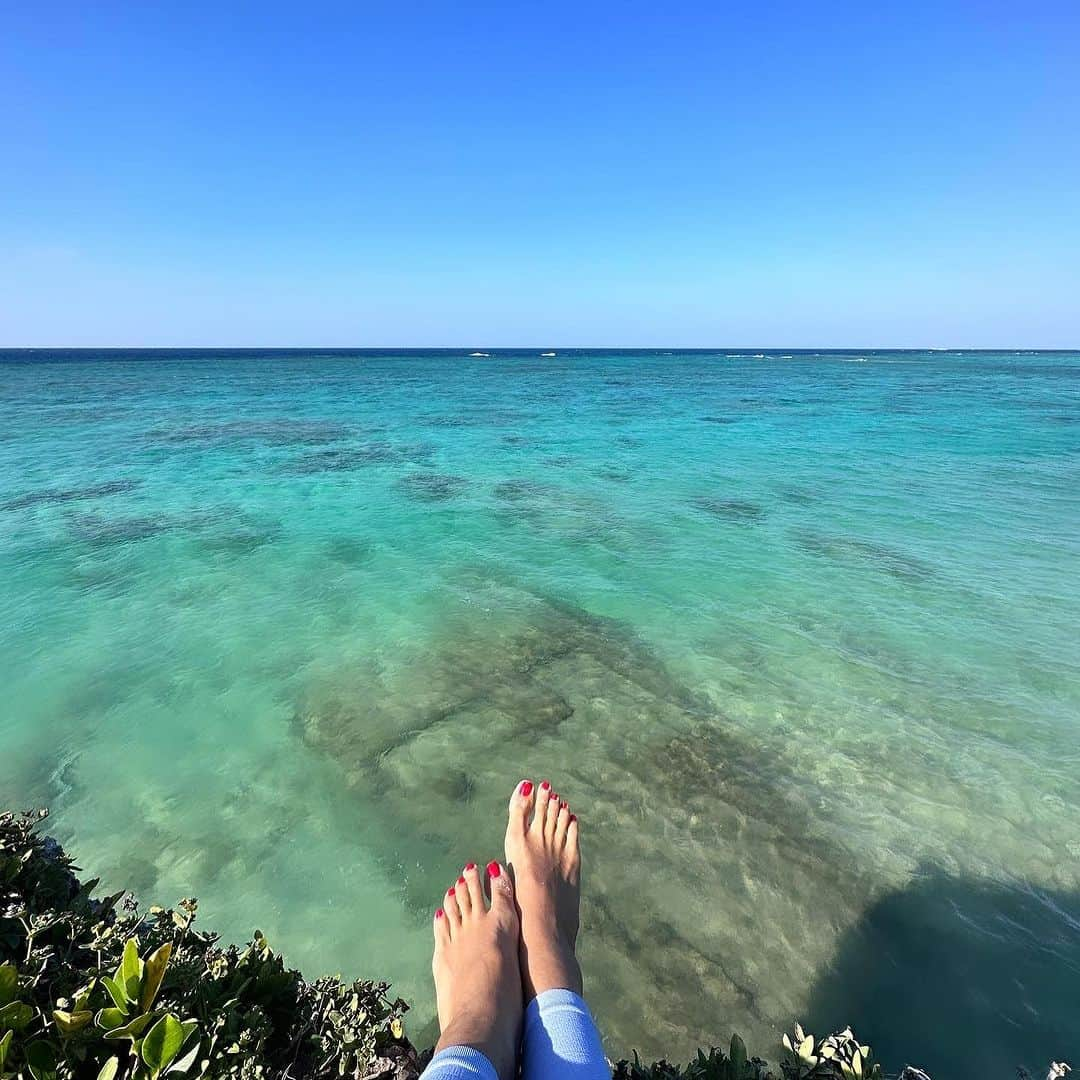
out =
column 796, row 634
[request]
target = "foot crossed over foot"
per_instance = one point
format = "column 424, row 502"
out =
column 477, row 978
column 542, row 853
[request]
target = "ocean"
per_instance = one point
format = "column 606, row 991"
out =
column 797, row 634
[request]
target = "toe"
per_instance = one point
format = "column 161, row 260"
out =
column 441, row 928
column 500, row 890
column 521, row 804
column 543, row 795
column 562, row 821
column 453, row 912
column 461, row 894
column 471, row 874
column 571, row 851
column 552, row 817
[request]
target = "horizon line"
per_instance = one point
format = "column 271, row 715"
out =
column 575, row 348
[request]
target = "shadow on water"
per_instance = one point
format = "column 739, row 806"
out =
column 965, row 979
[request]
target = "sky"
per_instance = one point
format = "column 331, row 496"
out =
column 591, row 174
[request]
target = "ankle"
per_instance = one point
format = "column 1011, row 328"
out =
column 498, row 1048
column 550, row 967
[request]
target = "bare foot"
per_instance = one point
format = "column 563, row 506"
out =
column 477, row 978
column 542, row 853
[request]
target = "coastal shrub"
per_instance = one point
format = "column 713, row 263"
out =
column 92, row 988
column 836, row 1057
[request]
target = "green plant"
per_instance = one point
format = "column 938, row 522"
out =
column 838, row 1056
column 714, row 1065
column 95, row 989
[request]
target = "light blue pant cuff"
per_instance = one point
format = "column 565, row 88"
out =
column 551, row 1002
column 459, row 1063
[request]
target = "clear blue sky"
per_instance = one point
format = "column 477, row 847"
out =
column 540, row 174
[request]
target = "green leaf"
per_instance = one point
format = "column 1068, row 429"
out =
column 82, row 998
column 70, row 1022
column 5, row 1043
column 162, row 1043
column 116, row 992
column 41, row 1060
column 130, row 969
column 132, row 1030
column 108, row 1070
column 16, row 1016
column 9, row 983
column 737, row 1053
column 154, row 972
column 110, row 1019
column 181, row 1065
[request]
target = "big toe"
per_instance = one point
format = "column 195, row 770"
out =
column 521, row 805
column 501, row 892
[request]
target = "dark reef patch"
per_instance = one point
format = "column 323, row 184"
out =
column 850, row 549
column 540, row 687
column 271, row 431
column 799, row 495
column 52, row 496
column 518, row 490
column 738, row 510
column 99, row 530
column 239, row 540
column 433, row 486
column 350, row 458
column 720, row 419
column 478, row 417
column 350, row 550
column 615, row 473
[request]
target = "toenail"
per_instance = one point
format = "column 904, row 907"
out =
column 450, row 891
column 545, row 785
column 526, row 788
column 461, row 881
column 470, row 866
column 440, row 913
column 564, row 806
column 493, row 869
column 554, row 797
column 573, row 817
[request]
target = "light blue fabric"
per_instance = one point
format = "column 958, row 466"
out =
column 559, row 1042
column 459, row 1063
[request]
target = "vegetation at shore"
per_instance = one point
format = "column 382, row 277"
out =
column 95, row 988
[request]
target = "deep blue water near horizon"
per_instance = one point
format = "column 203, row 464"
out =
column 795, row 632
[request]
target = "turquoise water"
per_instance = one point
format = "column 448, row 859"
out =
column 795, row 633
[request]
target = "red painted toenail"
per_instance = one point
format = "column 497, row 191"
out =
column 545, row 785
column 440, row 914
column 554, row 797
column 564, row 806
column 526, row 788
column 493, row 869
column 450, row 891
column 470, row 866
column 461, row 881
column 573, row 817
